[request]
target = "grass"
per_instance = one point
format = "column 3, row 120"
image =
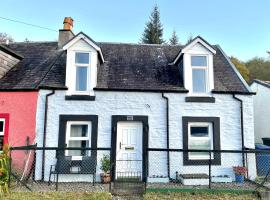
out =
column 58, row 196
column 199, row 196
column 147, row 196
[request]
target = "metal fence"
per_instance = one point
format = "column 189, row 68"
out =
column 63, row 169
column 208, row 169
column 79, row 169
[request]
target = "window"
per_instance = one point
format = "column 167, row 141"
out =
column 78, row 134
column 200, row 137
column 201, row 133
column 199, row 74
column 82, row 62
column 2, row 133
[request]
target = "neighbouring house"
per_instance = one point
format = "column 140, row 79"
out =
column 17, row 104
column 261, row 109
column 131, row 97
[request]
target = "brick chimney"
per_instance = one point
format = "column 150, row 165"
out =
column 66, row 33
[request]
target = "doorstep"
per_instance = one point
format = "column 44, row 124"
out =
column 194, row 179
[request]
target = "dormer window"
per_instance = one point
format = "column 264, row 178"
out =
column 83, row 58
column 197, row 69
column 200, row 79
column 82, row 62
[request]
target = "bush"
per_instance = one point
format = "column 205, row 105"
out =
column 105, row 163
column 4, row 169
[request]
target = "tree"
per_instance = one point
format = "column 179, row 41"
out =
column 190, row 38
column 153, row 31
column 241, row 67
column 4, row 37
column 259, row 68
column 174, row 40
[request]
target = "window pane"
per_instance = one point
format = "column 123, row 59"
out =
column 198, row 61
column 1, row 126
column 81, row 79
column 80, row 144
column 78, row 130
column 82, row 58
column 198, row 80
column 199, row 131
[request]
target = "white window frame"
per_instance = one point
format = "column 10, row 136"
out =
column 86, row 92
column 2, row 133
column 191, row 138
column 69, row 138
column 206, row 68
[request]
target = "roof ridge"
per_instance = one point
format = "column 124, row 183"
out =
column 32, row 42
column 138, row 44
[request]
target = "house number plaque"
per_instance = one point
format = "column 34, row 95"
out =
column 130, row 118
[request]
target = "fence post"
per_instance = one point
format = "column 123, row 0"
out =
column 9, row 168
column 210, row 162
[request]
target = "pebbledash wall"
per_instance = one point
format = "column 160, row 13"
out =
column 21, row 109
column 153, row 106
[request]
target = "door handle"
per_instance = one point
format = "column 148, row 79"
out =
column 120, row 145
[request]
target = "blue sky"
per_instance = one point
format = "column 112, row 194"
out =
column 240, row 27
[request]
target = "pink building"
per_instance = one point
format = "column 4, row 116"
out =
column 18, row 118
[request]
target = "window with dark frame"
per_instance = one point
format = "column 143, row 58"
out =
column 2, row 133
column 201, row 133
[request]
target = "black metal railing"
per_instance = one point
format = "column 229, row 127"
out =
column 198, row 169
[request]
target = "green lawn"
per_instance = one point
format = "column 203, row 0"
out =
column 200, row 196
column 107, row 196
column 57, row 196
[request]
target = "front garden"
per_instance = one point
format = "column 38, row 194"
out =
column 147, row 196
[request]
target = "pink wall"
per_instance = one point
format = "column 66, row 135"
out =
column 21, row 107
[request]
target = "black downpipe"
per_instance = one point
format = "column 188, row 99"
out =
column 45, row 132
column 242, row 128
column 168, row 135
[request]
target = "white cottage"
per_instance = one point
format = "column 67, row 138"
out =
column 261, row 109
column 131, row 97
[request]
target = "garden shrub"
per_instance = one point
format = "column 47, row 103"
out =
column 4, row 169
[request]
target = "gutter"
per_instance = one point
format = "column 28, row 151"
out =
column 45, row 131
column 242, row 127
column 167, row 133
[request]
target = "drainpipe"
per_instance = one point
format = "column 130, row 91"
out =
column 45, row 131
column 167, row 131
column 242, row 127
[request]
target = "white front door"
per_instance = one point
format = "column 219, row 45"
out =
column 129, row 149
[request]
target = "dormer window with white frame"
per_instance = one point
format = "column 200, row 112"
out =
column 83, row 58
column 199, row 68
column 82, row 64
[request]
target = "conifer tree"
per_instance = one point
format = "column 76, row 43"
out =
column 174, row 40
column 153, row 31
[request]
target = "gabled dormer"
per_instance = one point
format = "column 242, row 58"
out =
column 196, row 60
column 83, row 57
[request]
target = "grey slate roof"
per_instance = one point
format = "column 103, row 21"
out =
column 261, row 82
column 127, row 67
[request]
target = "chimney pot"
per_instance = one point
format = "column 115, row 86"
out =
column 66, row 33
column 68, row 23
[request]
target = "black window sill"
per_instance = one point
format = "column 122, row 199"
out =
column 80, row 98
column 201, row 99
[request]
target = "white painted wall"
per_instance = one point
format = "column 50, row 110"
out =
column 261, row 111
column 154, row 106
